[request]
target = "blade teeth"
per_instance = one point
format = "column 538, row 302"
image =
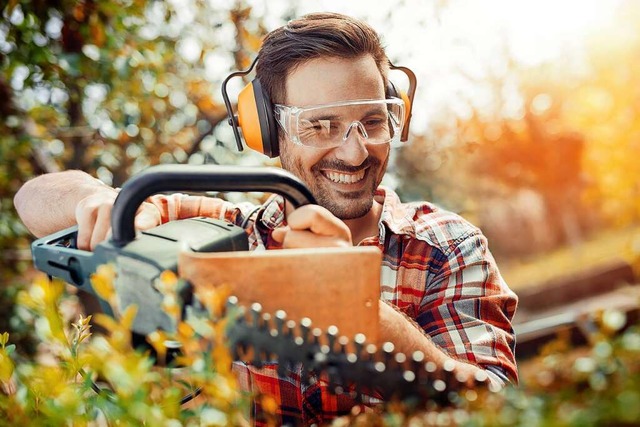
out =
column 481, row 377
column 291, row 326
column 359, row 341
column 371, row 351
column 280, row 318
column 439, row 385
column 449, row 366
column 232, row 301
column 332, row 334
column 320, row 357
column 461, row 378
column 430, row 367
column 409, row 376
column 388, row 347
column 305, row 324
column 343, row 342
column 256, row 311
column 408, row 371
column 317, row 333
column 266, row 321
column 417, row 356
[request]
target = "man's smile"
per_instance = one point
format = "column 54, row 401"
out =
column 344, row 177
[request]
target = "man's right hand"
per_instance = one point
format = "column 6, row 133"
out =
column 93, row 216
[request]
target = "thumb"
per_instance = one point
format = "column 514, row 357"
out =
column 144, row 221
column 279, row 233
column 147, row 217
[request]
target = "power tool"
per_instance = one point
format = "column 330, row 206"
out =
column 141, row 257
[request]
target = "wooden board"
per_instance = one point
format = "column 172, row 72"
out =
column 331, row 286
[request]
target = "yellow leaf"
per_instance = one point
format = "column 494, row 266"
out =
column 169, row 277
column 107, row 322
column 269, row 404
column 6, row 366
column 102, row 282
column 129, row 316
column 4, row 339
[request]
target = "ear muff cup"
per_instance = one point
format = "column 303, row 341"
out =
column 256, row 119
column 392, row 92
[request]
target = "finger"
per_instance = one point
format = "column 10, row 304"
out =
column 147, row 217
column 86, row 219
column 307, row 239
column 101, row 226
column 279, row 234
column 319, row 221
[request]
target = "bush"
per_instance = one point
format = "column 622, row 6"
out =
column 85, row 379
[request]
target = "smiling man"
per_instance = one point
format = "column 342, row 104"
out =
column 441, row 292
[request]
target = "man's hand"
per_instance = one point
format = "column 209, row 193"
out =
column 312, row 226
column 93, row 216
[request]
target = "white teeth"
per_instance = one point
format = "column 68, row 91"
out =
column 345, row 178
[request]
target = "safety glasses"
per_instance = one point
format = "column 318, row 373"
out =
column 377, row 121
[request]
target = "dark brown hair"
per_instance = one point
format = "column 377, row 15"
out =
column 312, row 36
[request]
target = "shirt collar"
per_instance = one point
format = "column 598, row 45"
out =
column 396, row 216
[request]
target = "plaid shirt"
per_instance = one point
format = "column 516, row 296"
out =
column 436, row 268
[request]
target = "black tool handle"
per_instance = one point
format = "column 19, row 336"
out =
column 157, row 179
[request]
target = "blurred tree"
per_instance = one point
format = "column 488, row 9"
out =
column 548, row 150
column 110, row 87
column 605, row 105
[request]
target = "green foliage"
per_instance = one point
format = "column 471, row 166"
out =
column 61, row 388
column 108, row 87
column 591, row 386
column 111, row 87
column 594, row 386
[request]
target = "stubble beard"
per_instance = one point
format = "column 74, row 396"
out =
column 343, row 205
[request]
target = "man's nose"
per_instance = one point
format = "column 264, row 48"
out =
column 353, row 150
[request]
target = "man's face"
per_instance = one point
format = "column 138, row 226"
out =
column 342, row 179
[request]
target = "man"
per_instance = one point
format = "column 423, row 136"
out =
column 441, row 292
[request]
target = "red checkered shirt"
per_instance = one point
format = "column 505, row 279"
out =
column 436, row 268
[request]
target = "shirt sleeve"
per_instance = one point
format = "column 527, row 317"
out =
column 181, row 206
column 467, row 308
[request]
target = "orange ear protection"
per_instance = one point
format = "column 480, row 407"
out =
column 256, row 119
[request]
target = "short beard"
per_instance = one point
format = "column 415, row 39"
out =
column 344, row 211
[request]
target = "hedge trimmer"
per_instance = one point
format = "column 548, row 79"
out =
column 349, row 363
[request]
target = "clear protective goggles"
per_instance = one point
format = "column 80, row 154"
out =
column 379, row 121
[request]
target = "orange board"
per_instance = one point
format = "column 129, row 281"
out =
column 331, row 286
